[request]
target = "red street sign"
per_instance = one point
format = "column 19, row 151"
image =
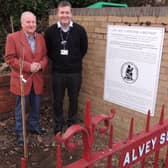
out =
column 144, row 144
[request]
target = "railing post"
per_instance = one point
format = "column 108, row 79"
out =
column 143, row 163
column 156, row 158
column 59, row 157
column 166, row 160
column 88, row 121
column 131, row 129
column 23, row 162
column 148, row 122
column 162, row 115
column 88, row 126
column 109, row 161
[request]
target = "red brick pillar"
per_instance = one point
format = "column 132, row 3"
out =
column 7, row 100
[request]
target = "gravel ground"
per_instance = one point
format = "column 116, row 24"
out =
column 42, row 150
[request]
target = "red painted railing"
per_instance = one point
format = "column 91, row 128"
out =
column 23, row 162
column 135, row 148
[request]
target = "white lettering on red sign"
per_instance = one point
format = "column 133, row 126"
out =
column 164, row 138
column 134, row 157
column 141, row 149
column 145, row 148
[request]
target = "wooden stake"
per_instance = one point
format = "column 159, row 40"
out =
column 11, row 21
column 23, row 106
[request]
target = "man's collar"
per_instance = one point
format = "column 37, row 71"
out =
column 28, row 36
column 68, row 27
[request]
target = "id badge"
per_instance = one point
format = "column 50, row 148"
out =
column 64, row 52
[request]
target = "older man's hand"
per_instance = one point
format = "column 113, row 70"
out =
column 35, row 67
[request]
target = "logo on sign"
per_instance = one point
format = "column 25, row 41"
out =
column 129, row 72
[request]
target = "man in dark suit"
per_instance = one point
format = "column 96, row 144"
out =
column 67, row 44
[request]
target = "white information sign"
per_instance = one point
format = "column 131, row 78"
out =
column 133, row 57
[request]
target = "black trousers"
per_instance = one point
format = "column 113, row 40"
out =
column 71, row 82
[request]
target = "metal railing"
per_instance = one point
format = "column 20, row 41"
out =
column 136, row 148
column 132, row 150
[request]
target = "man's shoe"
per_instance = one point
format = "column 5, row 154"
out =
column 57, row 129
column 20, row 140
column 38, row 131
column 70, row 123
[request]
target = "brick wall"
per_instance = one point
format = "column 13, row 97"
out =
column 95, row 21
column 7, row 100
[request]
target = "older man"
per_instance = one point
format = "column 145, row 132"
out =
column 27, row 47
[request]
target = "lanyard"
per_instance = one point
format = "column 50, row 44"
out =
column 64, row 41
